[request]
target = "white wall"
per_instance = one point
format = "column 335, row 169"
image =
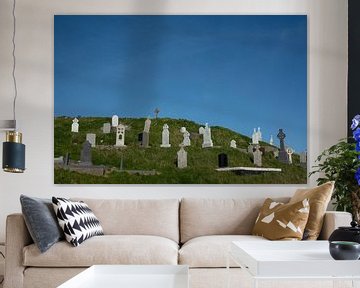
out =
column 326, row 74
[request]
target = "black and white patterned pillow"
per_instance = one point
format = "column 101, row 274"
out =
column 77, row 220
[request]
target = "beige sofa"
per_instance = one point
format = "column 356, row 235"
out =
column 194, row 232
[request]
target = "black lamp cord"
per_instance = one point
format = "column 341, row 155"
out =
column 14, row 60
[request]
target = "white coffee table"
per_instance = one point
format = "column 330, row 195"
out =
column 131, row 276
column 292, row 260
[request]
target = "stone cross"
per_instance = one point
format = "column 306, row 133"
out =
column 106, row 128
column 85, row 156
column 290, row 151
column 257, row 157
column 233, row 144
column 254, row 137
column 147, row 125
column 91, row 138
column 206, row 132
column 165, row 137
column 283, row 155
column 75, row 125
column 182, row 158
column 120, row 135
column 114, row 121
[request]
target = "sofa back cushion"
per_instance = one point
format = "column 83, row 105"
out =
column 200, row 217
column 159, row 217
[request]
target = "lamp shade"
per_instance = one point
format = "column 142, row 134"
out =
column 13, row 153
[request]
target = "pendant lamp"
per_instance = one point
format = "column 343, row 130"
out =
column 13, row 149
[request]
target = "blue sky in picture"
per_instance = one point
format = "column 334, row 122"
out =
column 238, row 71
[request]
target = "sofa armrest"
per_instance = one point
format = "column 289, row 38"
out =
column 333, row 220
column 17, row 237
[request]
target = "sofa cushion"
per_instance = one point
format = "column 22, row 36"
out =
column 211, row 251
column 107, row 249
column 201, row 217
column 77, row 220
column 158, row 217
column 41, row 221
column 319, row 198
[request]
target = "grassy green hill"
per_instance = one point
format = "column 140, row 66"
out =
column 201, row 162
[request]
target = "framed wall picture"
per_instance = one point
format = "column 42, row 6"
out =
column 180, row 99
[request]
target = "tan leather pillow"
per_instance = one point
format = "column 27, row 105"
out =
column 279, row 221
column 319, row 198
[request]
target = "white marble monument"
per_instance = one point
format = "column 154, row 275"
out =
column 206, row 132
column 165, row 139
column 120, row 136
column 254, row 137
column 233, row 144
column 147, row 125
column 186, row 137
column 271, row 142
column 114, row 121
column 259, row 134
column 75, row 125
column 257, row 157
column 290, row 151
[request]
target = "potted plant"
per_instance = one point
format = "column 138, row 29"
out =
column 341, row 163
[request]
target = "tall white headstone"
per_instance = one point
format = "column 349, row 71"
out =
column 114, row 121
column 75, row 125
column 165, row 139
column 271, row 142
column 206, row 132
column 91, row 138
column 233, row 144
column 120, row 135
column 182, row 158
column 147, row 125
column 254, row 137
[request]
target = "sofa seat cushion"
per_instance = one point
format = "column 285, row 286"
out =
column 107, row 249
column 211, row 251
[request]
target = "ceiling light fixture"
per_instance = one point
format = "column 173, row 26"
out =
column 13, row 149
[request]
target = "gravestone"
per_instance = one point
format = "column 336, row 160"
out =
column 276, row 153
column 222, row 160
column 114, row 121
column 283, row 155
column 106, row 128
column 91, row 138
column 182, row 158
column 186, row 137
column 75, row 125
column 85, row 156
column 145, row 139
column 165, row 137
column 120, row 135
column 254, row 137
column 147, row 125
column 233, row 144
column 250, row 149
column 303, row 157
column 257, row 157
column 206, row 132
column 290, row 151
column 271, row 142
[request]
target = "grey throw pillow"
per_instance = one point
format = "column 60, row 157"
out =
column 41, row 221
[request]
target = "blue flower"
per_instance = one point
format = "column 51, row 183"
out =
column 355, row 122
column 357, row 176
column 356, row 134
column 357, row 147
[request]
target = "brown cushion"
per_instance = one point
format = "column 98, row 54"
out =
column 279, row 221
column 319, row 198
